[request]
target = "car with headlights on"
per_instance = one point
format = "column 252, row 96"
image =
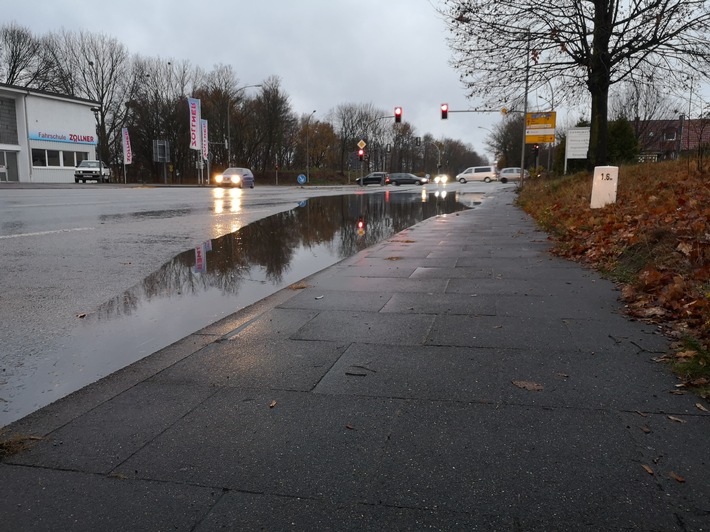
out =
column 441, row 179
column 402, row 178
column 235, row 177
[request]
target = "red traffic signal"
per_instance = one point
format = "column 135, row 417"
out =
column 361, row 154
column 444, row 111
column 397, row 114
column 361, row 226
column 536, row 149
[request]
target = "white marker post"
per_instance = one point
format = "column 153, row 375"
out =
column 606, row 179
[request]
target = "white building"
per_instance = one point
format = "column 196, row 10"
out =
column 43, row 136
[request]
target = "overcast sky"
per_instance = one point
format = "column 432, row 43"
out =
column 326, row 52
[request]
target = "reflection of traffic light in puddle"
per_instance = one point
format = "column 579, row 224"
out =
column 361, row 226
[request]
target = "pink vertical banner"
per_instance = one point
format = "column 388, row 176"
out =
column 195, row 136
column 200, row 259
column 205, row 141
column 127, row 152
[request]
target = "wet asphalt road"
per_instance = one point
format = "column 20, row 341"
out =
column 69, row 249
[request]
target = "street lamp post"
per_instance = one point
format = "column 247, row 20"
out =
column 308, row 174
column 552, row 108
column 438, row 163
column 97, row 116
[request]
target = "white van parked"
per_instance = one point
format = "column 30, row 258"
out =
column 478, row 173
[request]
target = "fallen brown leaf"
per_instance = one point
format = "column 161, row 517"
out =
column 677, row 419
column 82, row 315
column 641, row 414
column 527, row 385
column 701, row 407
column 273, row 404
column 647, row 469
column 350, row 427
column 676, row 477
column 646, row 429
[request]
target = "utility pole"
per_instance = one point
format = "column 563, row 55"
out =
column 525, row 109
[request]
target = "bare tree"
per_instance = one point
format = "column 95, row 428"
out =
column 96, row 67
column 580, row 46
column 274, row 119
column 505, row 140
column 23, row 58
column 640, row 104
column 350, row 122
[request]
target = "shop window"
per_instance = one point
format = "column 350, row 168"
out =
column 53, row 158
column 72, row 158
column 39, row 157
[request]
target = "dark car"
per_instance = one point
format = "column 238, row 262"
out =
column 375, row 178
column 404, row 179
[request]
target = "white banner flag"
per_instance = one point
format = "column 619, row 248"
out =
column 205, row 141
column 127, row 153
column 195, row 137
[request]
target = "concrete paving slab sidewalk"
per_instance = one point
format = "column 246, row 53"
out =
column 454, row 377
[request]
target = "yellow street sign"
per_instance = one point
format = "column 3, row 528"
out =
column 539, row 139
column 361, row 144
column 546, row 119
column 540, row 127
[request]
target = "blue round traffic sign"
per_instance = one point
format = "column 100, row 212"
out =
column 302, row 179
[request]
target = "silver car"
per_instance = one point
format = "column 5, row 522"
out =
column 512, row 174
column 235, row 177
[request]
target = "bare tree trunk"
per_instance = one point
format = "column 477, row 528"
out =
column 599, row 82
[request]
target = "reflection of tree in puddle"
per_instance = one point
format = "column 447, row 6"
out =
column 263, row 251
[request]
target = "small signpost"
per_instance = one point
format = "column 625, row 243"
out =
column 577, row 144
column 606, row 179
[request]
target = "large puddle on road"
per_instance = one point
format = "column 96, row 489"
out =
column 217, row 278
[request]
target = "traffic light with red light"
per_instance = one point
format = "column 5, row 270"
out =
column 536, row 149
column 397, row 114
column 361, row 226
column 444, row 111
column 361, row 154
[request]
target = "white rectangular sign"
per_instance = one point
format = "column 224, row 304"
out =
column 577, row 144
column 606, row 179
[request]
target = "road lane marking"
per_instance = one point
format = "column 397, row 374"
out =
column 42, row 233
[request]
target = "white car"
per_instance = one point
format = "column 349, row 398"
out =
column 512, row 174
column 478, row 173
column 89, row 170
